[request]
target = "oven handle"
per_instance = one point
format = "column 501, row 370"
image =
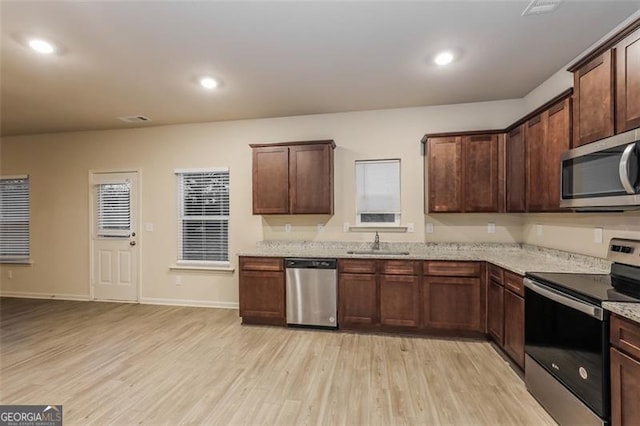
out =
column 563, row 299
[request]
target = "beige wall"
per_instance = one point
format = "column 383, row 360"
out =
column 59, row 165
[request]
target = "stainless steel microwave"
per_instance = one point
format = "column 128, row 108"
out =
column 603, row 175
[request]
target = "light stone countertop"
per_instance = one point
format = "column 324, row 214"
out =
column 513, row 257
column 517, row 258
column 627, row 310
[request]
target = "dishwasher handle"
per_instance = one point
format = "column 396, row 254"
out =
column 311, row 263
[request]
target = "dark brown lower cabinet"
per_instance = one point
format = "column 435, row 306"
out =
column 625, row 389
column 452, row 303
column 495, row 311
column 399, row 300
column 358, row 305
column 262, row 291
column 514, row 327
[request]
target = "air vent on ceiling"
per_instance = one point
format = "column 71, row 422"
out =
column 537, row 7
column 135, row 119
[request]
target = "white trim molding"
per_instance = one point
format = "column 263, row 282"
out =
column 189, row 302
column 49, row 296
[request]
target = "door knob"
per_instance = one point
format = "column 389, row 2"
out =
column 132, row 243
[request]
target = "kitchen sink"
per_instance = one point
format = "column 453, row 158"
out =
column 380, row 252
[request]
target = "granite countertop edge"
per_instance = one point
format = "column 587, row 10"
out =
column 627, row 310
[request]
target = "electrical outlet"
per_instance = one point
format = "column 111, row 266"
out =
column 597, row 235
column 10, row 274
column 429, row 228
column 321, row 227
column 491, row 228
column 539, row 230
column 287, row 227
column 410, row 227
column 178, row 279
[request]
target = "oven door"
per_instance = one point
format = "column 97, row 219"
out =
column 569, row 338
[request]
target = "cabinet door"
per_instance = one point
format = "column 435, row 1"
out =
column 480, row 160
column 557, row 140
column 445, row 174
column 516, row 170
column 514, row 327
column 495, row 311
column 593, row 100
column 399, row 302
column 452, row 303
column 625, row 388
column 262, row 295
column 536, row 164
column 271, row 180
column 627, row 54
column 311, row 179
column 358, row 300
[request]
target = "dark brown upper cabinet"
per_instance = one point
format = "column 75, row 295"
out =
column 593, row 100
column 462, row 173
column 293, row 178
column 627, row 54
column 516, row 170
column 547, row 135
column 607, row 88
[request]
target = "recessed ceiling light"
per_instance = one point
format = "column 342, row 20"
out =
column 208, row 83
column 444, row 58
column 41, row 46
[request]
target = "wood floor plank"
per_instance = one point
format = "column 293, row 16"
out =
column 142, row 364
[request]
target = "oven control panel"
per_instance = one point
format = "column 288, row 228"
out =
column 624, row 251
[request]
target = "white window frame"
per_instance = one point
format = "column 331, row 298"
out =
column 25, row 259
column 397, row 214
column 181, row 217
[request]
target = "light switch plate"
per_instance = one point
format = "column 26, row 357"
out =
column 148, row 227
column 287, row 227
column 321, row 227
column 429, row 228
column 411, row 227
column 345, row 227
column 491, row 228
column 539, row 230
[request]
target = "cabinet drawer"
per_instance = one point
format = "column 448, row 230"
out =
column 399, row 267
column 261, row 263
column 357, row 266
column 514, row 283
column 496, row 273
column 452, row 269
column 625, row 335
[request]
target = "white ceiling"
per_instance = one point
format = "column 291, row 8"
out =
column 123, row 58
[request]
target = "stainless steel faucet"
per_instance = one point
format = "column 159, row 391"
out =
column 376, row 242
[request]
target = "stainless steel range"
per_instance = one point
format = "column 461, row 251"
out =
column 567, row 335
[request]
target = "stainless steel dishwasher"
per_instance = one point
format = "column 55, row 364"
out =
column 312, row 292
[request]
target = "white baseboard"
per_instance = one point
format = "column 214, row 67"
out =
column 55, row 296
column 144, row 300
column 189, row 302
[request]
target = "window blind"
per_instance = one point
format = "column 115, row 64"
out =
column 114, row 209
column 14, row 219
column 203, row 198
column 378, row 186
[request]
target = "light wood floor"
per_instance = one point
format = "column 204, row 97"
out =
column 126, row 364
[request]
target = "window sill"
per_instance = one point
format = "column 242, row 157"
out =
column 379, row 228
column 211, row 268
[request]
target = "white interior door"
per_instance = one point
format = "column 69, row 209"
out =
column 114, row 230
